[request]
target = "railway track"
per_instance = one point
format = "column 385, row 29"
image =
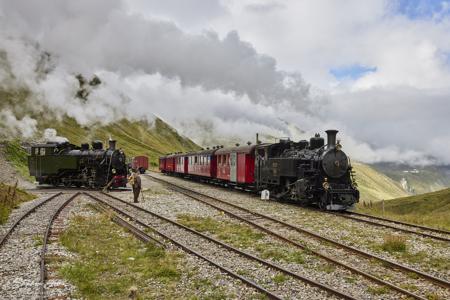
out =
column 18, row 248
column 25, row 215
column 420, row 230
column 49, row 232
column 277, row 229
column 428, row 232
column 199, row 242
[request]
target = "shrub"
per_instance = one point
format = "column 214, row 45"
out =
column 394, row 243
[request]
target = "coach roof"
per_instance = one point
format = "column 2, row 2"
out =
column 241, row 149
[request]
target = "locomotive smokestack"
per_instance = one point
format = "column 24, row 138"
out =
column 112, row 145
column 331, row 137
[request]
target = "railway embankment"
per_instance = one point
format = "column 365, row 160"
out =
column 425, row 255
column 89, row 256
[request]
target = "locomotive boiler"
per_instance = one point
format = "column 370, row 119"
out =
column 69, row 165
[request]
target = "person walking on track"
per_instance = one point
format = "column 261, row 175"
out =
column 135, row 181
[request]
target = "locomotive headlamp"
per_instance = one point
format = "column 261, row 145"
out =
column 325, row 184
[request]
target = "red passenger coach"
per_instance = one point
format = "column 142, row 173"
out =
column 202, row 163
column 236, row 165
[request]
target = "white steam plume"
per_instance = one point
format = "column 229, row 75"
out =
column 50, row 135
column 12, row 127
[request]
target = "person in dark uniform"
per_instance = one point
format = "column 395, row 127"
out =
column 135, row 181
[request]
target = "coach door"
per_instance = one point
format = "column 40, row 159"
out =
column 233, row 166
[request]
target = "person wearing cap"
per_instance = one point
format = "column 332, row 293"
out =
column 135, row 181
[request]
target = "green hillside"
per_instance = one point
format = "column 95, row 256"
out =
column 135, row 137
column 431, row 209
column 375, row 186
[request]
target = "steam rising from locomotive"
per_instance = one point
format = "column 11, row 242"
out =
column 307, row 172
column 69, row 165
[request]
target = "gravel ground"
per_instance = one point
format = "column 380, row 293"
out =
column 171, row 204
column 19, row 257
column 289, row 289
column 346, row 231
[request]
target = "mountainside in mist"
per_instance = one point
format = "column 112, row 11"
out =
column 374, row 185
column 417, row 179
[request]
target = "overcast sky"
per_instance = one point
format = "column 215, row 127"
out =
column 379, row 71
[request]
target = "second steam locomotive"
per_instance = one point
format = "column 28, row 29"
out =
column 307, row 172
column 69, row 165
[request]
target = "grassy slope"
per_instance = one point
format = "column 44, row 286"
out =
column 431, row 209
column 17, row 156
column 375, row 186
column 7, row 202
column 135, row 137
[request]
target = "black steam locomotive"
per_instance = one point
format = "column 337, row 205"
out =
column 69, row 165
column 308, row 172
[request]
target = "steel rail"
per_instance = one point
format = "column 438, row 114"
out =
column 401, row 267
column 348, row 216
column 29, row 212
column 240, row 252
column 43, row 272
column 442, row 231
column 185, row 248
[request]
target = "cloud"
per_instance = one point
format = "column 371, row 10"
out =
column 219, row 82
column 105, row 36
